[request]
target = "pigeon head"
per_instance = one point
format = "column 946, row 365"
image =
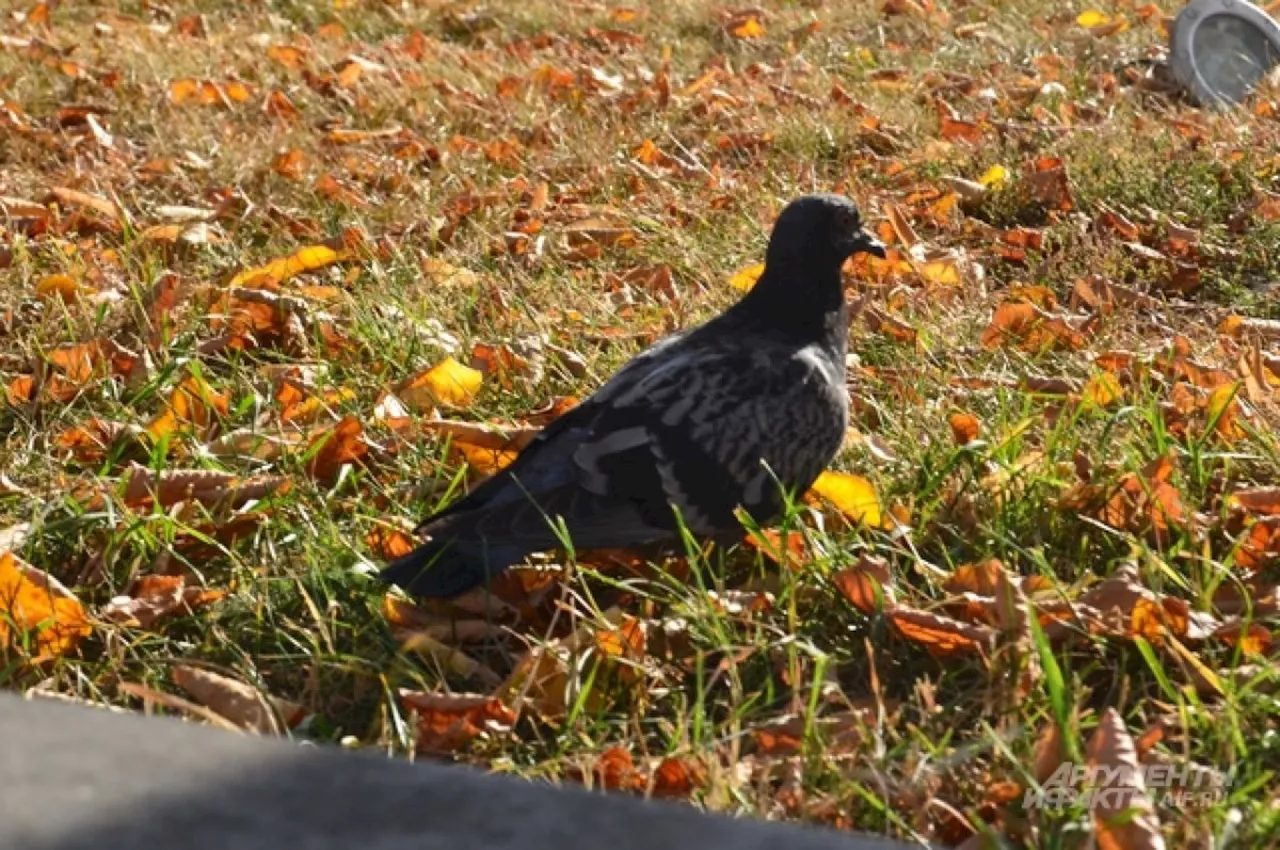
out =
column 811, row 239
column 820, row 229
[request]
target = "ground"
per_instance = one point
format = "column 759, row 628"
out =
column 270, row 268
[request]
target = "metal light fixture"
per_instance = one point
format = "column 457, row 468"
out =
column 1222, row 49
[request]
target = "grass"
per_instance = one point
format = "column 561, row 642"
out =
column 773, row 694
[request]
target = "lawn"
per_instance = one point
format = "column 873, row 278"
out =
column 278, row 279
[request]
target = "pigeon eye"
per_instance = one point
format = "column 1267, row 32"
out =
column 847, row 220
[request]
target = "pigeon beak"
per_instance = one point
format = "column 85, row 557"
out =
column 865, row 243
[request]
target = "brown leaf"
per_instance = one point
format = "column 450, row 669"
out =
column 941, row 636
column 335, row 447
column 144, row 487
column 868, row 584
column 448, row 722
column 242, row 704
column 1048, row 183
column 678, row 777
column 1123, row 815
column 889, row 325
column 153, row 598
column 1031, row 328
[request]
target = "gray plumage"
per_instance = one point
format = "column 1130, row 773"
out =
column 728, row 414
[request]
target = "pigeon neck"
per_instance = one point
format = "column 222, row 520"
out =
column 803, row 300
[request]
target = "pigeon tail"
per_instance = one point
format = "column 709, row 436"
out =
column 440, row 569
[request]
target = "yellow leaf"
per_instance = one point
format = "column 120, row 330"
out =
column 853, row 495
column 994, row 176
column 306, row 259
column 1223, row 409
column 942, row 272
column 33, row 602
column 1103, row 390
column 749, row 28
column 744, row 279
column 1091, row 18
column 448, row 382
column 483, row 460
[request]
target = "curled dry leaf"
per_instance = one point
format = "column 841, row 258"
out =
column 1146, row 502
column 868, row 584
column 1031, row 328
column 307, row 259
column 144, row 487
column 153, row 598
column 448, row 722
column 390, row 539
column 678, row 777
column 942, row 637
column 453, row 660
column 335, row 447
column 889, row 325
column 193, row 404
column 1123, row 815
column 240, row 703
column 37, row 610
column 91, row 442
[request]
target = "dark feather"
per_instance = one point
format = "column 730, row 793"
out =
column 732, row 413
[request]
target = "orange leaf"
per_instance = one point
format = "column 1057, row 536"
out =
column 867, row 584
column 58, row 286
column 192, row 404
column 964, row 428
column 34, row 604
column 337, row 446
column 941, row 636
column 448, row 722
column 389, row 542
column 677, row 778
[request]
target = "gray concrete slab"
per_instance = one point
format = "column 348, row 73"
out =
column 76, row 778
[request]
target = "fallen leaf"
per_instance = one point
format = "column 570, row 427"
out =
column 854, row 496
column 144, row 487
column 307, row 259
column 242, row 704
column 744, row 279
column 1123, row 815
column 868, row 584
column 448, row 382
column 153, row 598
column 193, row 404
column 448, row 722
column 942, row 637
column 336, row 447
column 965, row 428
column 35, row 607
column 58, row 287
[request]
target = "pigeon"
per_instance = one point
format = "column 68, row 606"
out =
column 730, row 414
